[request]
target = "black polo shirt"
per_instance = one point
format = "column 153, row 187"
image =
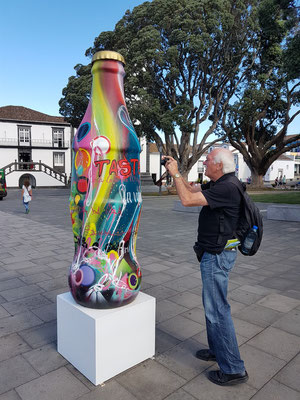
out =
column 218, row 220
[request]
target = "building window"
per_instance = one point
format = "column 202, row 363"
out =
column 59, row 162
column 24, row 135
column 58, row 137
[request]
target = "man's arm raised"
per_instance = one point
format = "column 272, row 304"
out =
column 188, row 195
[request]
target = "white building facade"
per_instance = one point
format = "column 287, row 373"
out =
column 287, row 164
column 34, row 145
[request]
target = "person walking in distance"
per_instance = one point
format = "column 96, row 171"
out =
column 26, row 195
column 218, row 219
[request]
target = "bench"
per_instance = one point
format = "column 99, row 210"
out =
column 281, row 212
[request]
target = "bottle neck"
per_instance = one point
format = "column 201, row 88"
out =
column 108, row 78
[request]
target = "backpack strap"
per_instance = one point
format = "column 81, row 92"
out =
column 221, row 227
column 242, row 188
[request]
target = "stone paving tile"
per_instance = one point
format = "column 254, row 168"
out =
column 33, row 270
column 46, row 313
column 19, row 265
column 202, row 389
column 22, row 292
column 56, row 273
column 44, row 260
column 150, row 381
column 16, row 260
column 258, row 315
column 180, row 394
column 187, row 299
column 278, row 302
column 182, row 271
column 260, row 365
column 11, row 346
column 242, row 280
column 277, row 342
column 45, row 359
column 7, row 275
column 195, row 314
column 60, row 264
column 53, row 284
column 155, row 267
column 158, row 278
column 15, row 372
column 80, row 377
column 257, row 289
column 294, row 294
column 56, row 385
column 183, row 284
column 160, row 292
column 17, row 322
column 52, row 295
column 166, row 309
column 290, row 322
column 39, row 336
column 180, row 327
column 245, row 328
column 244, row 297
column 110, row 391
column 276, row 391
column 164, row 341
column 11, row 395
column 3, row 312
column 290, row 374
column 39, row 277
column 11, row 284
column 278, row 283
column 29, row 303
column 181, row 360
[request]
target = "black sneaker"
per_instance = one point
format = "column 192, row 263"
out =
column 205, row 355
column 219, row 378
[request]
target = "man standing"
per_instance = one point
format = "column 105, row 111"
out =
column 217, row 221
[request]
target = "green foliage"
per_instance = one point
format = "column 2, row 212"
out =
column 76, row 95
column 184, row 59
column 257, row 122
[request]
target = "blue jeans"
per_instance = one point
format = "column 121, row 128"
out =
column 219, row 325
column 26, row 205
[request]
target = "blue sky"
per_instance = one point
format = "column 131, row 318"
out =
column 41, row 41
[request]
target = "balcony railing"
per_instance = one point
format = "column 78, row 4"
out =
column 37, row 167
column 34, row 143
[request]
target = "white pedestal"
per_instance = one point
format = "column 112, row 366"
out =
column 104, row 343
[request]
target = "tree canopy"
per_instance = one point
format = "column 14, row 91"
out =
column 268, row 99
column 185, row 60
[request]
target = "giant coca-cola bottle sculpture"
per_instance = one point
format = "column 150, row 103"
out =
column 105, row 201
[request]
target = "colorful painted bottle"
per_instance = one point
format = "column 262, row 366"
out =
column 105, row 201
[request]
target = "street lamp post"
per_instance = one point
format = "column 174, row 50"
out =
column 160, row 155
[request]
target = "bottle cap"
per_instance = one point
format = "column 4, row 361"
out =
column 255, row 227
column 108, row 55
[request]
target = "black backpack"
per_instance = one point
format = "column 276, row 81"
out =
column 250, row 216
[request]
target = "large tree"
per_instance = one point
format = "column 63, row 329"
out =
column 268, row 99
column 184, row 62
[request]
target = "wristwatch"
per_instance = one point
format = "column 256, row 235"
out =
column 177, row 175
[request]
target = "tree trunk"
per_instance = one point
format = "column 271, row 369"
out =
column 257, row 180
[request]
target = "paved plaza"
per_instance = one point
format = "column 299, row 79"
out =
column 264, row 290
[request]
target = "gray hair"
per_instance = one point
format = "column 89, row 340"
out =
column 225, row 157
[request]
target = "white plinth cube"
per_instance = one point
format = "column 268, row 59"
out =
column 104, row 343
